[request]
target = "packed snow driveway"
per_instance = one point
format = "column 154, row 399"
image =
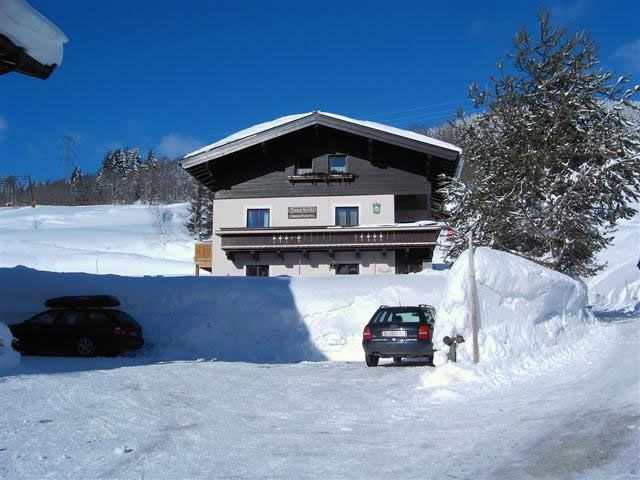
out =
column 114, row 419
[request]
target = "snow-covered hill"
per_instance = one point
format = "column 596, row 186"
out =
column 117, row 239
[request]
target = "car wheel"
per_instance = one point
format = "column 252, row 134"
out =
column 397, row 360
column 86, row 347
column 372, row 360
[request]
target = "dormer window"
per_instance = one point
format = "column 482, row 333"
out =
column 304, row 166
column 337, row 164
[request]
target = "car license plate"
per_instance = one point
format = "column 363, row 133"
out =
column 394, row 333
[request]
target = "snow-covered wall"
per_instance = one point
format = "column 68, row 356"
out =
column 617, row 287
column 8, row 357
column 233, row 318
column 523, row 308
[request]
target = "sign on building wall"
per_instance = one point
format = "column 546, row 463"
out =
column 303, row 212
column 376, row 208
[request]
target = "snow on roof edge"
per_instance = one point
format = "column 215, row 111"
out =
column 28, row 28
column 262, row 127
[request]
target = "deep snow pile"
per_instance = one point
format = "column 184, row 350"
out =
column 617, row 287
column 118, row 239
column 8, row 357
column 521, row 306
column 233, row 318
column 525, row 313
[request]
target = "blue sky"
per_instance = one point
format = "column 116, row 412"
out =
column 176, row 75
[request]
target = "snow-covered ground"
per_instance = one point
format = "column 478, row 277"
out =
column 114, row 418
column 557, row 393
column 118, row 239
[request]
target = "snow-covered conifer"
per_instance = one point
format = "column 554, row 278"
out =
column 200, row 221
column 554, row 154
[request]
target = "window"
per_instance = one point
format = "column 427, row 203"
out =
column 347, row 269
column 398, row 315
column 337, row 163
column 45, row 319
column 69, row 318
column 347, row 216
column 257, row 217
column 304, row 166
column 98, row 317
column 257, row 270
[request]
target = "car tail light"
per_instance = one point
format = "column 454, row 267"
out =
column 118, row 331
column 423, row 332
column 366, row 334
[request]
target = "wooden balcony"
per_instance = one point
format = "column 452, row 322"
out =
column 280, row 240
column 203, row 257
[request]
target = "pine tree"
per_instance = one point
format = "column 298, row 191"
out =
column 150, row 178
column 200, row 221
column 78, row 187
column 554, row 156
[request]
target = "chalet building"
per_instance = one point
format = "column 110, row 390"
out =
column 319, row 193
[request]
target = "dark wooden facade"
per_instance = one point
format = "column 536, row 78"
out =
column 267, row 169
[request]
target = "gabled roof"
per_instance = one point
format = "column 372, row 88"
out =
column 283, row 125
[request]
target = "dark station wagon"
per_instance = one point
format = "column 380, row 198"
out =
column 78, row 325
column 399, row 332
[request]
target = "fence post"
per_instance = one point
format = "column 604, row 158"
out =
column 473, row 295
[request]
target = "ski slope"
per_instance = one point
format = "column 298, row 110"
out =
column 115, row 239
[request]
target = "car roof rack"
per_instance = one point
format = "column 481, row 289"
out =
column 95, row 301
column 424, row 305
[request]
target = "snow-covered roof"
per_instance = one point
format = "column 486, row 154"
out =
column 27, row 28
column 256, row 131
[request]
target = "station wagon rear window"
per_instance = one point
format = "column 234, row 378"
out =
column 398, row 316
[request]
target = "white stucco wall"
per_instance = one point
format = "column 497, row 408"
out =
column 229, row 213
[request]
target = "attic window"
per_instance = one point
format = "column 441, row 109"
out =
column 337, row 164
column 304, row 166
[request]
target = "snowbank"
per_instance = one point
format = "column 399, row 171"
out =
column 617, row 287
column 9, row 358
column 523, row 309
column 233, row 318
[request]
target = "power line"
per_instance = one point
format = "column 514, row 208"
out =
column 413, row 109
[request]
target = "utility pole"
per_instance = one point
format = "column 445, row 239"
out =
column 33, row 201
column 473, row 297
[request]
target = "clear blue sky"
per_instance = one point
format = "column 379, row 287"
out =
column 176, row 75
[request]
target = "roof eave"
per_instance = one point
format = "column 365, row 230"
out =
column 320, row 119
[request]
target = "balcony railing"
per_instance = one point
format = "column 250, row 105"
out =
column 328, row 238
column 203, row 256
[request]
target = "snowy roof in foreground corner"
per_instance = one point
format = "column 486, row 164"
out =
column 27, row 28
column 255, row 132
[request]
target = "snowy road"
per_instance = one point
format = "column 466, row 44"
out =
column 110, row 418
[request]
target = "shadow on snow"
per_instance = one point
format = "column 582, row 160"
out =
column 239, row 319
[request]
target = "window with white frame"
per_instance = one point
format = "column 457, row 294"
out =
column 257, row 217
column 337, row 163
column 347, row 216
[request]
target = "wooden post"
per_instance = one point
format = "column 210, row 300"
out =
column 473, row 295
column 197, row 270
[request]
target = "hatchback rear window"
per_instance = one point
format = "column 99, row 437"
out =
column 125, row 318
column 398, row 316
